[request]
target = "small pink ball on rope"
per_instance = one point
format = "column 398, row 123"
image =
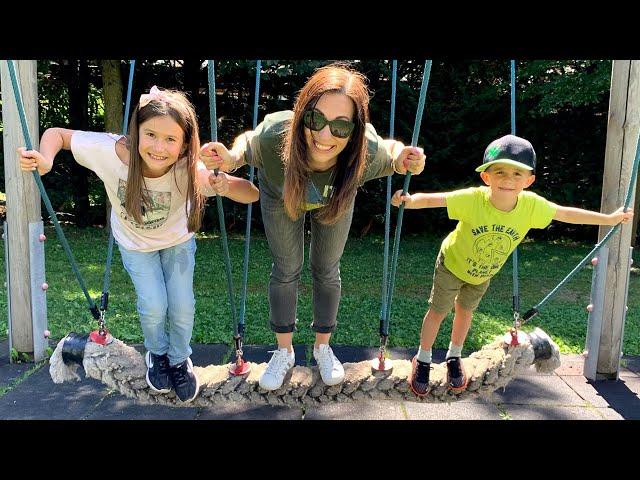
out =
column 45, row 286
column 42, row 237
column 594, row 261
column 47, row 333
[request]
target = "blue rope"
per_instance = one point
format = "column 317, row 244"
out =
column 634, row 173
column 384, row 325
column 107, row 272
column 223, row 230
column 414, row 141
column 247, row 235
column 516, row 289
column 45, row 198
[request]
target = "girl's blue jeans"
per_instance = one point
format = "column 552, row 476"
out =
column 163, row 280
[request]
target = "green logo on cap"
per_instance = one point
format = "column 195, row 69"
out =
column 493, row 152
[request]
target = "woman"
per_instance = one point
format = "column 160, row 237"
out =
column 312, row 159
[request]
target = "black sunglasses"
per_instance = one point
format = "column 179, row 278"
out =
column 316, row 121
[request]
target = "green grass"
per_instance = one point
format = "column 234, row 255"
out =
column 542, row 266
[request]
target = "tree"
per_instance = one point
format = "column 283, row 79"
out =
column 112, row 91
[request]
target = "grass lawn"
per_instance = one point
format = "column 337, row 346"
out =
column 542, row 265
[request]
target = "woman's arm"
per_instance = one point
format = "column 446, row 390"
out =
column 216, row 155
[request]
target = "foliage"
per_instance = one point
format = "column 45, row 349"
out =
column 561, row 107
column 542, row 265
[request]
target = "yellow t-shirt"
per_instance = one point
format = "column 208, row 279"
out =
column 485, row 236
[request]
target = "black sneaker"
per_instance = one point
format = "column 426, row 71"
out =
column 184, row 381
column 455, row 375
column 158, row 372
column 419, row 380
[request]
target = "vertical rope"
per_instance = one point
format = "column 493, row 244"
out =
column 107, row 271
column 514, row 256
column 384, row 327
column 247, row 235
column 45, row 198
column 223, row 230
column 414, row 140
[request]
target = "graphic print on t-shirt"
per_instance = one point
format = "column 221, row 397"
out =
column 313, row 197
column 153, row 217
column 491, row 248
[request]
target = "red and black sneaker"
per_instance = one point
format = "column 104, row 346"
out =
column 455, row 375
column 419, row 379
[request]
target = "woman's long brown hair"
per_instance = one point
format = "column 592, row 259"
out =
column 176, row 105
column 334, row 78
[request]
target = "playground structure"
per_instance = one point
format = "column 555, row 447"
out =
column 27, row 285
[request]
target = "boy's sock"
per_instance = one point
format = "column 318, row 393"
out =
column 454, row 350
column 424, row 355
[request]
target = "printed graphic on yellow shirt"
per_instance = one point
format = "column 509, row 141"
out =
column 491, row 251
column 492, row 245
column 153, row 217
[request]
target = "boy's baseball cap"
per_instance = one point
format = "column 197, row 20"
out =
column 509, row 149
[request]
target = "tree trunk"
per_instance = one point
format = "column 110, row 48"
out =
column 113, row 111
column 78, row 85
column 112, row 91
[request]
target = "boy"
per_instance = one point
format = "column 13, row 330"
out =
column 492, row 221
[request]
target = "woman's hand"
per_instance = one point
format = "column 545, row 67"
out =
column 216, row 155
column 410, row 159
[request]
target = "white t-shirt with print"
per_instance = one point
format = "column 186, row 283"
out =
column 165, row 224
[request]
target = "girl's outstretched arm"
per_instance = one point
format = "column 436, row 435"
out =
column 236, row 188
column 53, row 140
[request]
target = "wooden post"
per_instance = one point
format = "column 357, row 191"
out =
column 25, row 253
column 622, row 138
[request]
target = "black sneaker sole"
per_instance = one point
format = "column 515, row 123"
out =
column 146, row 361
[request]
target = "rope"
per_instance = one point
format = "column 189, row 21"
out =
column 247, row 235
column 384, row 324
column 122, row 368
column 634, row 173
column 223, row 230
column 414, row 141
column 45, row 198
column 104, row 302
column 516, row 290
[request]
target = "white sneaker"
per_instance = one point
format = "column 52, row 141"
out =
column 330, row 367
column 281, row 362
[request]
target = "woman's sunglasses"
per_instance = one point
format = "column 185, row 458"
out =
column 316, row 121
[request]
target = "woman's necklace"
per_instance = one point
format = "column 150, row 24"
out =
column 328, row 188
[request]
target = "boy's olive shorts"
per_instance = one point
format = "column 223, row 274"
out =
column 447, row 289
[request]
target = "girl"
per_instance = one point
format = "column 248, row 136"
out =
column 312, row 159
column 157, row 189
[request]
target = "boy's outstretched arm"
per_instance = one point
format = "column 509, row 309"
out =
column 588, row 217
column 419, row 200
